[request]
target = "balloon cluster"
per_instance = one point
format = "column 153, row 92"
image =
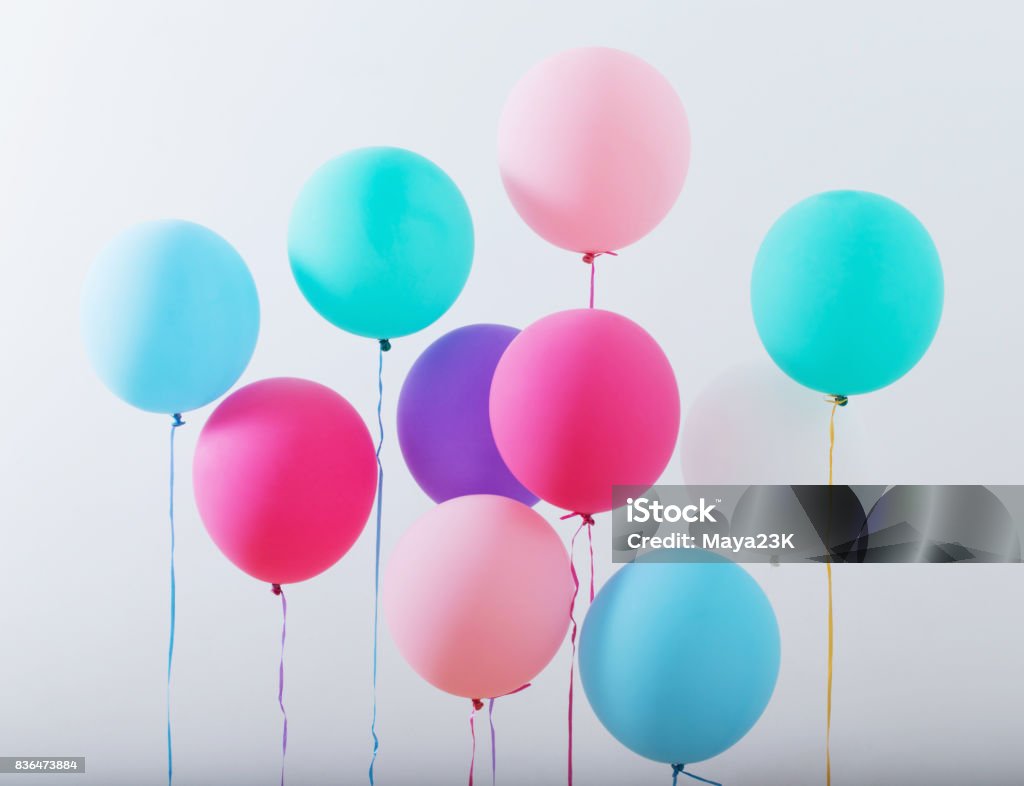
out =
column 594, row 149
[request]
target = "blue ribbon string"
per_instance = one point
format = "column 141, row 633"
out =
column 680, row 768
column 175, row 423
column 385, row 345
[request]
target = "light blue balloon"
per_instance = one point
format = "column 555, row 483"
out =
column 847, row 292
column 381, row 242
column 679, row 660
column 170, row 316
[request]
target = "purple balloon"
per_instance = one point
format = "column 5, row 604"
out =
column 444, row 426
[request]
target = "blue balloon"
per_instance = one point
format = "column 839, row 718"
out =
column 170, row 316
column 847, row 292
column 679, row 659
column 380, row 242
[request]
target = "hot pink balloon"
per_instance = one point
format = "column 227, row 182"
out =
column 476, row 595
column 594, row 146
column 583, row 400
column 284, row 477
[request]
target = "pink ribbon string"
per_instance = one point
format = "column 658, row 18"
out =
column 589, row 258
column 588, row 522
column 280, row 676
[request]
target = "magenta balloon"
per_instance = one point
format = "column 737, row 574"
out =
column 583, row 400
column 594, row 146
column 443, row 424
column 284, row 477
column 476, row 595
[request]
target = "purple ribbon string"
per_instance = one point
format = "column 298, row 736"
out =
column 490, row 718
column 589, row 258
column 494, row 751
column 588, row 522
column 280, row 675
column 678, row 769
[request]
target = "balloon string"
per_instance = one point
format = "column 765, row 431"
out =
column 280, row 676
column 589, row 258
column 494, row 750
column 836, row 401
column 385, row 345
column 678, row 769
column 588, row 522
column 477, row 705
column 175, row 423
column 490, row 718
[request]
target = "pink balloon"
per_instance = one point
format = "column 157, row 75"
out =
column 593, row 146
column 583, row 400
column 284, row 477
column 476, row 595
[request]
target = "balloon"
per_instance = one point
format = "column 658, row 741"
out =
column 847, row 292
column 169, row 316
column 752, row 425
column 284, row 477
column 476, row 595
column 582, row 400
column 443, row 423
column 593, row 146
column 380, row 242
column 679, row 659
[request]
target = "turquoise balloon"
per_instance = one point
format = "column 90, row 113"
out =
column 381, row 242
column 679, row 659
column 169, row 316
column 847, row 292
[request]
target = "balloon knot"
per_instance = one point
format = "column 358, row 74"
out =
column 678, row 768
column 177, row 420
column 837, row 400
column 477, row 704
column 385, row 344
column 587, row 518
column 275, row 588
column 590, row 256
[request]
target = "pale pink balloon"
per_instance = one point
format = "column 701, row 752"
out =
column 593, row 146
column 284, row 477
column 476, row 595
column 583, row 400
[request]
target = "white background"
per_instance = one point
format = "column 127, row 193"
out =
column 112, row 113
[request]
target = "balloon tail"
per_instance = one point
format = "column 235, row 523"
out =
column 477, row 705
column 836, row 401
column 680, row 769
column 588, row 522
column 175, row 423
column 589, row 258
column 385, row 345
column 280, row 676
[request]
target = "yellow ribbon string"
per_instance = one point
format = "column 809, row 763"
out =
column 836, row 402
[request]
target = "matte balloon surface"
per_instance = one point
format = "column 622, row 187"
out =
column 594, row 146
column 284, row 477
column 443, row 423
column 380, row 241
column 170, row 316
column 847, row 292
column 583, row 400
column 679, row 660
column 476, row 595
